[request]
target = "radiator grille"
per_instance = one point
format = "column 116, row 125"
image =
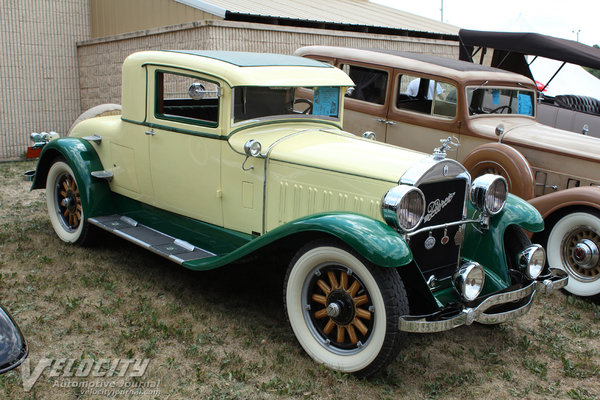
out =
column 444, row 203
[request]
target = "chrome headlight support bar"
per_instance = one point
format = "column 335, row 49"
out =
column 481, row 221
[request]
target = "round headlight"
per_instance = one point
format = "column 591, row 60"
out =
column 403, row 207
column 532, row 260
column 469, row 280
column 252, row 148
column 489, row 193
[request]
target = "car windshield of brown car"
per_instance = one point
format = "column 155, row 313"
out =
column 252, row 103
column 500, row 100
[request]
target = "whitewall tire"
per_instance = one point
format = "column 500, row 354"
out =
column 64, row 203
column 573, row 244
column 343, row 310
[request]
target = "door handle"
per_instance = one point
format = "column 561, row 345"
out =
column 150, row 132
column 385, row 121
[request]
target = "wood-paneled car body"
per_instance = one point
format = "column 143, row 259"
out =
column 216, row 157
column 414, row 100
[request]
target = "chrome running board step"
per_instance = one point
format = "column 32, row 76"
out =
column 157, row 242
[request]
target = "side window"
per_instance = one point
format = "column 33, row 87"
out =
column 426, row 96
column 188, row 99
column 371, row 84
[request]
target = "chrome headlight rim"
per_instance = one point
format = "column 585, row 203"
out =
column 252, row 148
column 482, row 187
column 391, row 206
column 469, row 280
column 532, row 261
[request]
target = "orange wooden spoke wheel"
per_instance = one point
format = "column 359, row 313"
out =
column 343, row 309
column 65, row 208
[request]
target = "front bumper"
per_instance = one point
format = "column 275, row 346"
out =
column 466, row 316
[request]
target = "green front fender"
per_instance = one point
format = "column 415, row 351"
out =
column 83, row 160
column 372, row 239
column 487, row 246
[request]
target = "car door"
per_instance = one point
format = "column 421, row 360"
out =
column 184, row 127
column 422, row 111
column 365, row 105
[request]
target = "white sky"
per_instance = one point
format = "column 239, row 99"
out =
column 550, row 17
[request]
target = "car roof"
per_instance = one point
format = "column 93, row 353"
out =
column 248, row 59
column 241, row 68
column 458, row 70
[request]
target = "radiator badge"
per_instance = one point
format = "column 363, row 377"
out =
column 429, row 242
column 436, row 206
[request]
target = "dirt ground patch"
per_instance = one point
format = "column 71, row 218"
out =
column 223, row 334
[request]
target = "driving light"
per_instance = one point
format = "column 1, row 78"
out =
column 403, row 207
column 489, row 193
column 469, row 280
column 252, row 148
column 532, row 260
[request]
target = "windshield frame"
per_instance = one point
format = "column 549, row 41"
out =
column 292, row 115
column 519, row 90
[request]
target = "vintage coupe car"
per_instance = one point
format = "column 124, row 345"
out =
column 217, row 157
column 414, row 100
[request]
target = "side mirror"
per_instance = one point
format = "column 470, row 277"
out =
column 13, row 347
column 369, row 135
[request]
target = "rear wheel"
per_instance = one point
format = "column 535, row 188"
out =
column 64, row 203
column 343, row 310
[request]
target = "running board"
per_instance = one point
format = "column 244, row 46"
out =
column 157, row 242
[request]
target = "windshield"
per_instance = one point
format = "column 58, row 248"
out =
column 500, row 100
column 256, row 102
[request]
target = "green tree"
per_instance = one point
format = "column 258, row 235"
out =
column 595, row 72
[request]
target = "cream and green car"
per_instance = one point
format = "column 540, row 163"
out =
column 218, row 155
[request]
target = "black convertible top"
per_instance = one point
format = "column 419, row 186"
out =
column 529, row 44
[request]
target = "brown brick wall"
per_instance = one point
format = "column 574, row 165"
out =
column 100, row 59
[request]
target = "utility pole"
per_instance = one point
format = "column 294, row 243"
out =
column 442, row 12
column 575, row 32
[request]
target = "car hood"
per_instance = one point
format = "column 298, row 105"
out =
column 529, row 133
column 330, row 149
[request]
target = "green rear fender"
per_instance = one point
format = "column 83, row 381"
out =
column 83, row 160
column 372, row 239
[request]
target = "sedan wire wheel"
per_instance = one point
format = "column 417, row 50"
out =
column 68, row 202
column 581, row 253
column 340, row 308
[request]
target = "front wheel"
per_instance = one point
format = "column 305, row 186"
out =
column 343, row 310
column 573, row 246
column 64, row 203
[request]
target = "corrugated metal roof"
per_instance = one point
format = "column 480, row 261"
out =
column 353, row 12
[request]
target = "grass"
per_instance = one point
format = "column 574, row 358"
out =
column 223, row 334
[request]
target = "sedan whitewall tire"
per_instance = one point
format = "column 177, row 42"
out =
column 573, row 244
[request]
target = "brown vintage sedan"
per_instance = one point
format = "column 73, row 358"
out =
column 415, row 100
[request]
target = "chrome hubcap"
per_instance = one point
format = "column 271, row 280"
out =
column 586, row 254
column 581, row 253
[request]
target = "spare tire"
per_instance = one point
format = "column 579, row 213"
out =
column 97, row 111
column 501, row 159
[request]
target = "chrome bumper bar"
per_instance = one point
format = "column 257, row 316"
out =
column 467, row 316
